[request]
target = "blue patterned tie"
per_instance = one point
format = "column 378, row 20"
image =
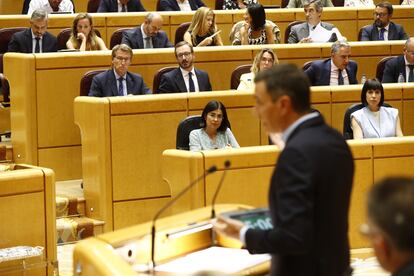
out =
column 381, row 34
column 120, row 87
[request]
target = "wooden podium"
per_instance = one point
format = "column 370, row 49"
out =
column 128, row 251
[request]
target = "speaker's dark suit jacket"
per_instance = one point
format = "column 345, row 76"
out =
column 171, row 5
column 406, row 270
column 393, row 68
column 112, row 6
column 319, row 73
column 135, row 40
column 395, row 32
column 22, row 42
column 308, row 200
column 173, row 81
column 105, row 85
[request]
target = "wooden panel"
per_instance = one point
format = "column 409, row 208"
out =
column 65, row 160
column 5, row 119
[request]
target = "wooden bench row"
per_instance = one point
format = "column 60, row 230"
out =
column 348, row 20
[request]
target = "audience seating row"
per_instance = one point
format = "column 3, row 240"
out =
column 123, row 139
column 42, row 118
column 348, row 20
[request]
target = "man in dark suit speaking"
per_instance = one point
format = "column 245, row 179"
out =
column 35, row 39
column 337, row 70
column 185, row 78
column 117, row 81
column 148, row 35
column 310, row 188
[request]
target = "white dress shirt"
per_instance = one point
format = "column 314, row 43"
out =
column 120, row 7
column 187, row 79
column 184, row 6
column 145, row 36
column 64, row 6
column 40, row 43
column 334, row 75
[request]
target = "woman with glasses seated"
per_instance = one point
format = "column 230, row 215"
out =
column 216, row 133
column 83, row 37
column 203, row 30
column 264, row 60
column 375, row 120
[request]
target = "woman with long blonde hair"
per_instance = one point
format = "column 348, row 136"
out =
column 203, row 30
column 83, row 35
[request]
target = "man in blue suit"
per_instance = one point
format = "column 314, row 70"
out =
column 35, row 39
column 185, row 78
column 401, row 65
column 117, row 81
column 383, row 28
column 120, row 6
column 148, row 35
column 337, row 70
column 180, row 5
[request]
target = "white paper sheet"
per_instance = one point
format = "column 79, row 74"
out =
column 320, row 34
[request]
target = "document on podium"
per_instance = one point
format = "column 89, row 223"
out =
column 226, row 260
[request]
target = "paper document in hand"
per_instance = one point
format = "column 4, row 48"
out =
column 227, row 260
column 320, row 34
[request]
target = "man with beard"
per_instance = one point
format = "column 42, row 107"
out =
column 148, row 35
column 35, row 39
column 383, row 28
column 51, row 6
column 117, row 81
column 401, row 65
column 185, row 78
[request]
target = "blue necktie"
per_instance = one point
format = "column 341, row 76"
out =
column 411, row 73
column 340, row 77
column 381, row 34
column 191, row 83
column 120, row 87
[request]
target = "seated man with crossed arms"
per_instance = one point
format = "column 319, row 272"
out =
column 337, row 70
column 117, row 81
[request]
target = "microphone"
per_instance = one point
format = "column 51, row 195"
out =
column 211, row 170
column 213, row 202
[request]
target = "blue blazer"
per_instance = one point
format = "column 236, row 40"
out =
column 309, row 197
column 135, row 40
column 173, row 81
column 105, row 85
column 22, row 42
column 112, row 6
column 395, row 32
column 319, row 73
column 171, row 5
column 393, row 68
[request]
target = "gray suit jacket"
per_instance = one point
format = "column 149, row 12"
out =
column 300, row 3
column 135, row 40
column 300, row 31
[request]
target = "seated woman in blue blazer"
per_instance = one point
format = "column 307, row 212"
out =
column 216, row 133
column 375, row 120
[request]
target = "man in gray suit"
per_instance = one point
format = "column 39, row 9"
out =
column 148, row 35
column 301, row 3
column 302, row 33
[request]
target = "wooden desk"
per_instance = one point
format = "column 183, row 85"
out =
column 251, row 169
column 27, row 201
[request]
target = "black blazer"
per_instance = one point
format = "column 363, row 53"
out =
column 135, row 40
column 22, row 42
column 406, row 270
column 309, row 200
column 171, row 5
column 395, row 32
column 393, row 68
column 105, row 85
column 173, row 81
column 112, row 6
column 319, row 73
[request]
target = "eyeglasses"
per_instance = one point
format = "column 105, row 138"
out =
column 379, row 14
column 121, row 59
column 185, row 54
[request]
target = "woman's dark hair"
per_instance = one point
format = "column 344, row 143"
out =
column 258, row 15
column 372, row 84
column 214, row 105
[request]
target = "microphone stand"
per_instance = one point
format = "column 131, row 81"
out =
column 212, row 169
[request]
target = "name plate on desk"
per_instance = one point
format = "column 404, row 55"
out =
column 255, row 218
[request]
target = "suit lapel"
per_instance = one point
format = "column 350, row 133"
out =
column 193, row 5
column 304, row 32
column 179, row 80
column 375, row 34
column 200, row 81
column 392, row 31
column 130, row 83
column 113, row 83
column 308, row 123
column 29, row 40
column 326, row 73
column 140, row 39
column 175, row 4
